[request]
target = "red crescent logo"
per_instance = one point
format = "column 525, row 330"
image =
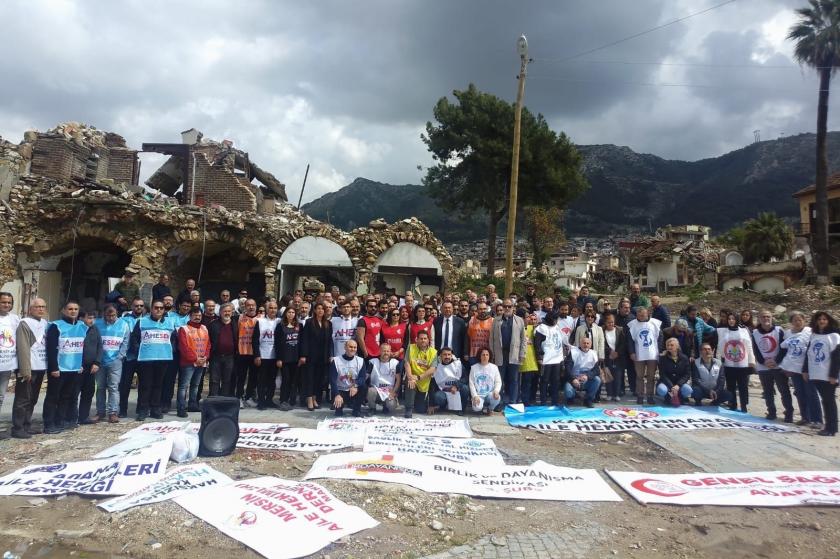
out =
column 768, row 344
column 658, row 487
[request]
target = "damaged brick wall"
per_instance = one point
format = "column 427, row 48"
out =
column 217, row 184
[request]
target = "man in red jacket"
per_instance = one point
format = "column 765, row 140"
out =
column 193, row 352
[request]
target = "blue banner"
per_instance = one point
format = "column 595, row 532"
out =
column 614, row 419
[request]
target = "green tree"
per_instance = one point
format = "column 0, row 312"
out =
column 817, row 38
column 544, row 229
column 732, row 238
column 766, row 237
column 471, row 143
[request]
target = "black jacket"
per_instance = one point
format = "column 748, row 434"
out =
column 459, row 335
column 620, row 347
column 287, row 343
column 316, row 343
column 674, row 372
column 215, row 328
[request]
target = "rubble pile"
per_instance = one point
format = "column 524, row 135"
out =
column 43, row 212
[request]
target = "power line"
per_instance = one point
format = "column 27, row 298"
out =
column 690, row 64
column 639, row 34
column 647, row 84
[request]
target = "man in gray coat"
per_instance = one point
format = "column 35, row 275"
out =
column 507, row 343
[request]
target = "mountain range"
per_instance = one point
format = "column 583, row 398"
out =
column 629, row 192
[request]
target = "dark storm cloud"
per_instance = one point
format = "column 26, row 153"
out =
column 348, row 86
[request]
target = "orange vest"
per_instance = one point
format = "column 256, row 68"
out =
column 479, row 334
column 246, row 331
column 198, row 340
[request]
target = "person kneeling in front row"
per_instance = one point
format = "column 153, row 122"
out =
column 707, row 381
column 347, row 375
column 674, row 374
column 385, row 375
column 485, row 384
column 583, row 372
column 448, row 375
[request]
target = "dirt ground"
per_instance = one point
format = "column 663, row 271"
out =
column 625, row 529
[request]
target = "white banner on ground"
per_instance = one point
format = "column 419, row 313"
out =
column 160, row 428
column 427, row 427
column 457, row 450
column 539, row 481
column 302, row 440
column 130, row 445
column 110, row 476
column 744, row 489
column 175, row 483
column 169, row 427
column 278, row 518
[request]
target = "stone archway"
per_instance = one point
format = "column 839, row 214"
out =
column 315, row 257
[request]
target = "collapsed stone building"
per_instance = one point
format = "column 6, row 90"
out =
column 73, row 218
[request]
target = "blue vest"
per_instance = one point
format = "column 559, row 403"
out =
column 155, row 340
column 71, row 343
column 131, row 320
column 177, row 319
column 113, row 337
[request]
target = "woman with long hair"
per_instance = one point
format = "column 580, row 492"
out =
column 420, row 324
column 795, row 345
column 393, row 333
column 286, row 337
column 316, row 350
column 747, row 320
column 822, row 367
column 485, row 384
column 734, row 348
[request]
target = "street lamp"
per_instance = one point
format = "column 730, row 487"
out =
column 522, row 50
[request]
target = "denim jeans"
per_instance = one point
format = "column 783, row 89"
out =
column 700, row 393
column 188, row 378
column 807, row 398
column 662, row 391
column 590, row 388
column 440, row 400
column 108, row 379
column 488, row 402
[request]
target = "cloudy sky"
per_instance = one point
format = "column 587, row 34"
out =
column 349, row 86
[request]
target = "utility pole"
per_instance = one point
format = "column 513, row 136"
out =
column 522, row 49
column 302, row 188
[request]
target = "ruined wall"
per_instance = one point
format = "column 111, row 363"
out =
column 43, row 213
column 218, row 184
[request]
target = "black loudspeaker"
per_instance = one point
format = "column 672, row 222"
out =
column 219, row 426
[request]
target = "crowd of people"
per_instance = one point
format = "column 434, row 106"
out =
column 362, row 353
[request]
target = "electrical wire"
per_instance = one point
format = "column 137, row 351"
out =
column 636, row 35
column 73, row 255
column 648, row 84
column 680, row 64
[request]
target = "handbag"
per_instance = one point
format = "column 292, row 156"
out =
column 606, row 375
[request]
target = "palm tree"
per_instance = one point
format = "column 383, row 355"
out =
column 817, row 37
column 766, row 237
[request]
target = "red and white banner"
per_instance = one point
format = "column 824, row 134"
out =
column 278, row 518
column 743, row 489
column 539, row 481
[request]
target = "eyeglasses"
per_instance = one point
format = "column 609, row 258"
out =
column 157, row 308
